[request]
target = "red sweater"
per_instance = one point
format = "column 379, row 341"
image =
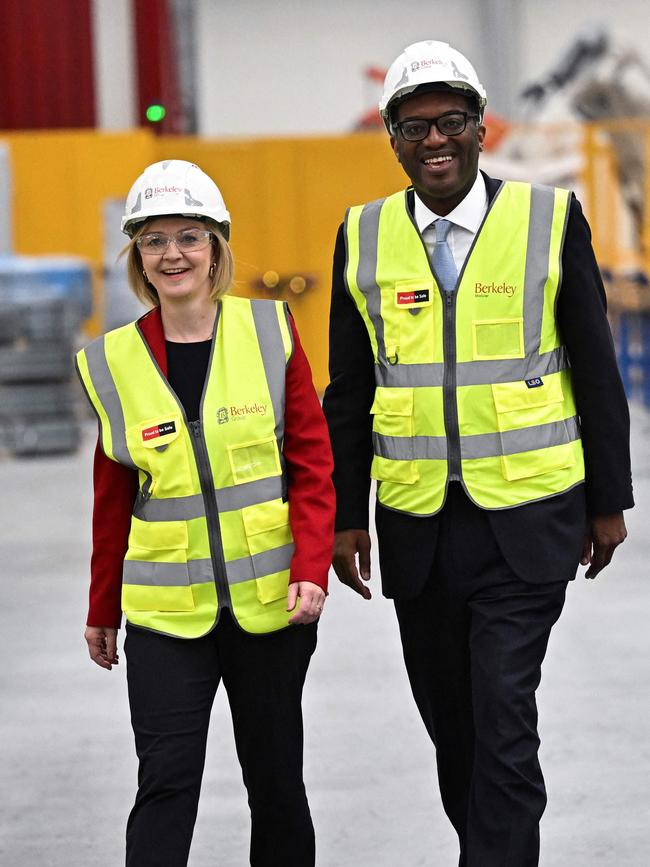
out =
column 308, row 459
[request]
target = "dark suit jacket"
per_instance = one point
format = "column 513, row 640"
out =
column 541, row 541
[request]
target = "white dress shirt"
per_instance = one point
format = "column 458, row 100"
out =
column 466, row 218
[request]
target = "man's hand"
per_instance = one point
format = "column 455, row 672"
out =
column 312, row 600
column 347, row 544
column 604, row 534
column 102, row 645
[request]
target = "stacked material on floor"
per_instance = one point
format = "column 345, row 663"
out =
column 42, row 304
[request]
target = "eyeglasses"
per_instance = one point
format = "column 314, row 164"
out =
column 451, row 123
column 187, row 241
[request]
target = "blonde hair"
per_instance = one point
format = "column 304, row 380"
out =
column 145, row 291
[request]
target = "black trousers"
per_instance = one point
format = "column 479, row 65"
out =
column 172, row 683
column 473, row 642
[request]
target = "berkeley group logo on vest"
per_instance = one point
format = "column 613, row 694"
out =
column 484, row 289
column 237, row 413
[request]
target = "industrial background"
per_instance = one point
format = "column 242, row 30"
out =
column 277, row 102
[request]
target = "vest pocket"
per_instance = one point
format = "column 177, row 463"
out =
column 536, row 463
column 519, row 397
column 522, row 413
column 392, row 435
column 158, row 447
column 158, row 535
column 404, row 472
column 257, row 459
column 494, row 339
column 156, row 575
column 137, row 597
column 413, row 330
column 270, row 543
column 156, row 433
column 157, row 585
column 272, row 587
column 392, row 409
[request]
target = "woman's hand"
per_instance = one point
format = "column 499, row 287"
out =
column 102, row 645
column 312, row 600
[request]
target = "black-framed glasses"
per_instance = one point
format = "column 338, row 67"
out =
column 187, row 241
column 450, row 123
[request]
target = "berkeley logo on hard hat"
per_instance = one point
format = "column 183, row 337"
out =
column 164, row 191
column 426, row 63
column 148, row 193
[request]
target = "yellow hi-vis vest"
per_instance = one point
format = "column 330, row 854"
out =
column 472, row 385
column 210, row 525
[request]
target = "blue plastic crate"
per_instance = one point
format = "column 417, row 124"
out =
column 632, row 337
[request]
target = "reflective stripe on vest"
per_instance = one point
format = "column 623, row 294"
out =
column 200, row 571
column 197, row 544
column 475, row 383
column 233, row 497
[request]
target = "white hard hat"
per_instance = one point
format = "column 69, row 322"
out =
column 425, row 63
column 174, row 187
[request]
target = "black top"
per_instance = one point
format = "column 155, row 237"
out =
column 187, row 366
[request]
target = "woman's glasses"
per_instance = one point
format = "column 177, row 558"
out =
column 187, row 241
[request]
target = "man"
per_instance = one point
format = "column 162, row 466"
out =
column 470, row 352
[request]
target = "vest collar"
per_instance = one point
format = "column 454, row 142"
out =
column 152, row 330
column 468, row 214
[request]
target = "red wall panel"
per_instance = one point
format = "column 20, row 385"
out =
column 46, row 64
column 157, row 64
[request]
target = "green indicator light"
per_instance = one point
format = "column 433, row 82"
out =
column 155, row 113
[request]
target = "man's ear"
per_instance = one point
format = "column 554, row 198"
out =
column 393, row 144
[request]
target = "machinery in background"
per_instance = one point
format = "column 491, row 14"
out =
column 42, row 304
column 592, row 104
column 587, row 127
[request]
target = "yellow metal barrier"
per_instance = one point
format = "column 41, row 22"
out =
column 617, row 203
column 286, row 198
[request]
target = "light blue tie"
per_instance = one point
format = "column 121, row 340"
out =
column 441, row 258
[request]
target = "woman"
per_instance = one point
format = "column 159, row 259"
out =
column 213, row 519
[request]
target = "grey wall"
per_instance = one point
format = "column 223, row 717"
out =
column 290, row 67
column 115, row 89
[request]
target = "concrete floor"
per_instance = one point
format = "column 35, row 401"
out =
column 67, row 764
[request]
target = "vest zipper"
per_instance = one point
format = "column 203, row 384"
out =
column 449, row 398
column 211, row 514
